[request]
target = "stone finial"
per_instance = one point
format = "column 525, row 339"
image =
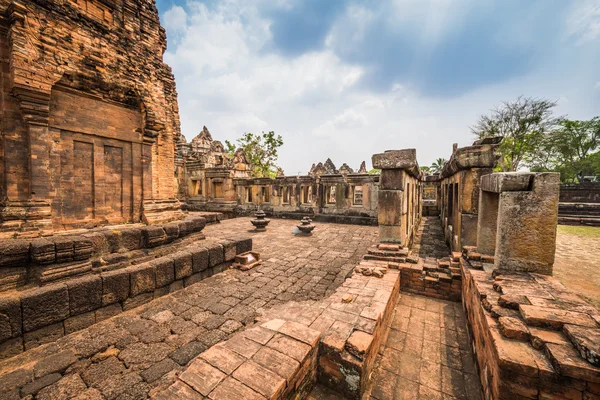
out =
column 345, row 169
column 454, row 147
column 363, row 168
column 330, row 167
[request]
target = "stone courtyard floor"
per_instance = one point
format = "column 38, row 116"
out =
column 129, row 355
column 427, row 354
column 577, row 262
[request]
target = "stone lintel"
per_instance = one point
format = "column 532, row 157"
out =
column 396, row 159
column 477, row 156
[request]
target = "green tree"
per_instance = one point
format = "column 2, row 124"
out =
column 425, row 168
column 261, row 152
column 437, row 165
column 570, row 149
column 523, row 125
column 374, row 171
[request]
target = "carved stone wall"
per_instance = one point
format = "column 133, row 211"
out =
column 89, row 115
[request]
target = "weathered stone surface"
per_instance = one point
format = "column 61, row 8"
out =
column 587, row 342
column 142, row 279
column 199, row 259
column 182, row 262
column 42, row 251
column 359, row 343
column 202, row 377
column 215, row 255
column 507, row 182
column 131, row 239
column 10, row 317
column 14, row 253
column 260, row 379
column 554, row 318
column 513, row 328
column 154, row 236
column 44, row 306
column 115, row 286
column 65, row 388
column 165, row 271
column 85, row 294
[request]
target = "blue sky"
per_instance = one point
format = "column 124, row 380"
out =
column 345, row 79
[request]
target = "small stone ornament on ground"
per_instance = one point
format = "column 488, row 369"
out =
column 306, row 226
column 246, row 261
column 260, row 222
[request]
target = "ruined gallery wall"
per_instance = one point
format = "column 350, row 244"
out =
column 85, row 95
column 341, row 198
column 585, row 192
column 399, row 196
column 459, row 192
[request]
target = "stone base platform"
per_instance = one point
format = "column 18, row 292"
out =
column 333, row 341
column 532, row 337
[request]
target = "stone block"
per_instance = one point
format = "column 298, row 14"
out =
column 586, row 341
column 199, row 258
column 554, row 318
column 115, row 286
column 392, row 179
column 47, row 334
column 85, row 294
column 11, row 347
column 243, row 245
column 142, row 279
column 182, row 228
column 64, row 249
column 507, row 182
column 194, row 224
column 172, row 231
column 42, row 251
column 182, row 262
column 44, row 306
column 14, row 252
column 396, row 159
column 390, row 207
column 231, row 389
column 113, row 240
column 99, row 243
column 193, row 279
column 133, row 302
column 513, row 328
column 108, row 311
column 222, row 358
column 132, row 239
column 10, row 316
column 359, row 344
column 154, row 236
column 392, row 234
column 215, row 255
column 202, row 377
column 260, row 379
column 165, row 271
column 229, row 249
column 82, row 248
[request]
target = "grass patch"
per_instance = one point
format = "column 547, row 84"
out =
column 580, row 230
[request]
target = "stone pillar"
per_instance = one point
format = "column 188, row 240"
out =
column 526, row 206
column 397, row 168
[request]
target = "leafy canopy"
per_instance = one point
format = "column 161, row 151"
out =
column 261, row 152
column 523, row 125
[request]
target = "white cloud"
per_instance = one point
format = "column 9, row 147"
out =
column 583, row 22
column 175, row 19
column 229, row 81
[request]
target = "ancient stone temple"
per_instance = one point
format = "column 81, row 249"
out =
column 210, row 179
column 90, row 116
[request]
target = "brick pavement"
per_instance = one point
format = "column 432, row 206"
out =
column 142, row 350
column 577, row 263
column 427, row 354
